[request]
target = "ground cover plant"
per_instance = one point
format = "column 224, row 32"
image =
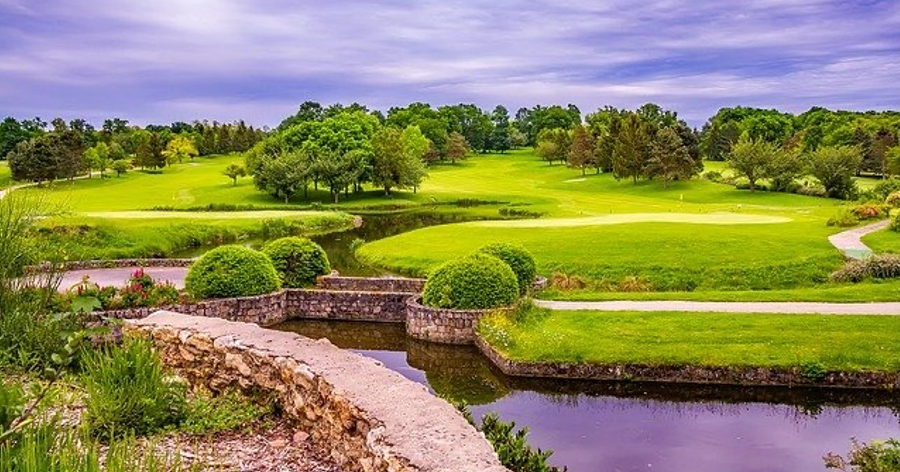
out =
column 845, row 343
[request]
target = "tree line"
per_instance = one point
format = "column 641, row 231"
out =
column 39, row 151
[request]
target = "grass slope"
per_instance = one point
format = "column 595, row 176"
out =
column 5, row 175
column 849, row 343
column 883, row 241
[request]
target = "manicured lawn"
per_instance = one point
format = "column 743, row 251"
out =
column 888, row 291
column 5, row 175
column 79, row 238
column 672, row 256
column 883, row 241
column 848, row 343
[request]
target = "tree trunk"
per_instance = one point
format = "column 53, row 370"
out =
column 286, row 198
column 583, row 171
column 387, row 191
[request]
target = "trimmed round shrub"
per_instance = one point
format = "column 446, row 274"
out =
column 475, row 282
column 518, row 259
column 232, row 271
column 298, row 261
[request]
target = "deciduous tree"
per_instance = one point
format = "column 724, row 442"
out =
column 750, row 158
column 834, row 167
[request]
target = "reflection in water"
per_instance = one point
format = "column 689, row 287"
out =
column 630, row 426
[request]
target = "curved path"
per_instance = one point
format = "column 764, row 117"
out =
column 850, row 243
column 176, row 275
column 889, row 308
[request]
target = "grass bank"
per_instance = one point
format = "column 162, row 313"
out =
column 883, row 241
column 5, row 175
column 843, row 343
column 117, row 238
column 867, row 292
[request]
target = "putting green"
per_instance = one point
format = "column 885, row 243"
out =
column 203, row 215
column 718, row 218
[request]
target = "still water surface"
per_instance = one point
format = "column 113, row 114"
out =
column 602, row 426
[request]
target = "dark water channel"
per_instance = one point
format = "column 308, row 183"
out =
column 602, row 426
column 338, row 245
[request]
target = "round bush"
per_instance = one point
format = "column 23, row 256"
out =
column 298, row 261
column 518, row 259
column 475, row 282
column 232, row 271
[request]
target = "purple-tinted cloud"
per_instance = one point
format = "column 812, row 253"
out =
column 171, row 60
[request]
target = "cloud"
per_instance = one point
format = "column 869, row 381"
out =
column 237, row 59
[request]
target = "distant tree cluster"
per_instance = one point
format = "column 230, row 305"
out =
column 38, row 151
column 341, row 151
column 649, row 143
column 874, row 134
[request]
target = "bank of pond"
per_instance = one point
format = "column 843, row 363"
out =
column 630, row 426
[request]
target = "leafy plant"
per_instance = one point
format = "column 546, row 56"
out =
column 206, row 414
column 475, row 282
column 844, row 218
column 298, row 261
column 876, row 456
column 232, row 271
column 518, row 259
column 129, row 392
column 813, row 371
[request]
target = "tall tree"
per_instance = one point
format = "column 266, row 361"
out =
column 457, row 147
column 501, row 139
column 581, row 152
column 149, row 151
column 784, row 167
column 179, row 149
column 669, row 157
column 834, row 167
column 751, row 157
column 34, row 160
column 631, row 148
column 553, row 145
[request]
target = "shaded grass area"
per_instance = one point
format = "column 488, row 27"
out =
column 847, row 343
column 5, row 175
column 883, row 241
column 888, row 291
column 97, row 238
column 680, row 256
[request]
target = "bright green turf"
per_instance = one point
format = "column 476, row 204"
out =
column 850, row 293
column 884, row 241
column 5, row 175
column 849, row 343
column 79, row 238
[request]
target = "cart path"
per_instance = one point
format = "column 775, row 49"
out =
column 850, row 243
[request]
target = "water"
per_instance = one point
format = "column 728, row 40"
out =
column 338, row 244
column 604, row 426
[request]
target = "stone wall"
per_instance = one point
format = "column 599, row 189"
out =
column 439, row 324
column 365, row 416
column 262, row 309
column 352, row 306
column 729, row 375
column 371, row 284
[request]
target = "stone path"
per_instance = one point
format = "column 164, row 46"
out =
column 119, row 277
column 850, row 243
column 890, row 308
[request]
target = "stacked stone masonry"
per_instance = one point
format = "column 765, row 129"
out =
column 113, row 264
column 371, row 284
column 440, row 324
column 365, row 416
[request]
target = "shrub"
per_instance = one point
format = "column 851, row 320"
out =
column 232, row 271
column 844, row 218
column 811, row 191
column 129, row 392
column 512, row 446
column 475, row 282
column 29, row 340
column 895, row 220
column 877, row 456
column 518, row 259
column 633, row 283
column 893, row 200
column 713, row 176
column 298, row 261
column 563, row 281
column 868, row 211
column 884, row 266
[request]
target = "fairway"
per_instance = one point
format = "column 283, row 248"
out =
column 722, row 218
column 203, row 215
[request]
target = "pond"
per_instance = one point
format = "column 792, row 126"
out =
column 609, row 426
column 338, row 245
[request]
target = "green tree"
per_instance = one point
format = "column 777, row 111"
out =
column 517, row 139
column 457, row 147
column 233, row 171
column 179, row 148
column 631, row 149
column 284, row 175
column 500, row 136
column 149, row 151
column 750, row 158
column 120, row 166
column 581, row 152
column 834, row 167
column 97, row 158
column 415, row 146
column 553, row 145
column 669, row 157
column 398, row 158
column 11, row 133
column 33, row 160
column 784, row 168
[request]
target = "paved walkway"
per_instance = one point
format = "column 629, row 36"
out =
column 119, row 277
column 891, row 308
column 850, row 243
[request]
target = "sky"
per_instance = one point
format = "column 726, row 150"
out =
column 168, row 60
